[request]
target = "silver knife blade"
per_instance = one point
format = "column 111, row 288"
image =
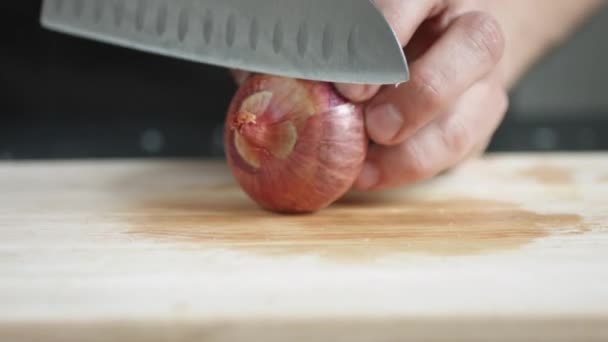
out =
column 346, row 41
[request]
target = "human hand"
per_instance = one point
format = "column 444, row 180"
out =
column 453, row 103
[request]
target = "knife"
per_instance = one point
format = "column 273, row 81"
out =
column 346, row 41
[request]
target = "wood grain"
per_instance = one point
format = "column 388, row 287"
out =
column 509, row 247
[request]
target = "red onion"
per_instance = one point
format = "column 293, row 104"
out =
column 294, row 146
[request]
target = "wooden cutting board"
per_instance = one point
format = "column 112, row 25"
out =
column 507, row 248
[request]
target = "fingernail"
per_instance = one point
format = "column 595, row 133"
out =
column 240, row 76
column 352, row 91
column 369, row 177
column 384, row 122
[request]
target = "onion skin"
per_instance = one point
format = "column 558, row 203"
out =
column 294, row 146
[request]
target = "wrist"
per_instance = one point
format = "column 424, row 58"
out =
column 532, row 28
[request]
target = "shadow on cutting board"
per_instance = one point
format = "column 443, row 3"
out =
column 359, row 227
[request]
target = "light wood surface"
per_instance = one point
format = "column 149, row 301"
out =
column 512, row 247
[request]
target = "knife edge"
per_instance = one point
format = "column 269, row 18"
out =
column 182, row 30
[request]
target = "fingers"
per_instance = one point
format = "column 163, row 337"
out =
column 440, row 145
column 404, row 16
column 469, row 50
column 239, row 76
column 357, row 92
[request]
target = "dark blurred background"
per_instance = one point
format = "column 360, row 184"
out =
column 63, row 97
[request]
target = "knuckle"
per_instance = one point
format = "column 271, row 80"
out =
column 457, row 136
column 486, row 35
column 502, row 107
column 428, row 93
column 504, row 102
column 418, row 165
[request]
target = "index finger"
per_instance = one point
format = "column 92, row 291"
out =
column 404, row 16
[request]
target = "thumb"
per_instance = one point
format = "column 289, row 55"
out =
column 239, row 76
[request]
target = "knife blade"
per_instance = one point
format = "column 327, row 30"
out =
column 346, row 41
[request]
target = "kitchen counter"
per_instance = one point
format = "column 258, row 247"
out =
column 508, row 247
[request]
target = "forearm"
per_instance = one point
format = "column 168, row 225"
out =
column 534, row 27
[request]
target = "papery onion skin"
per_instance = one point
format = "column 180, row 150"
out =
column 294, row 146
